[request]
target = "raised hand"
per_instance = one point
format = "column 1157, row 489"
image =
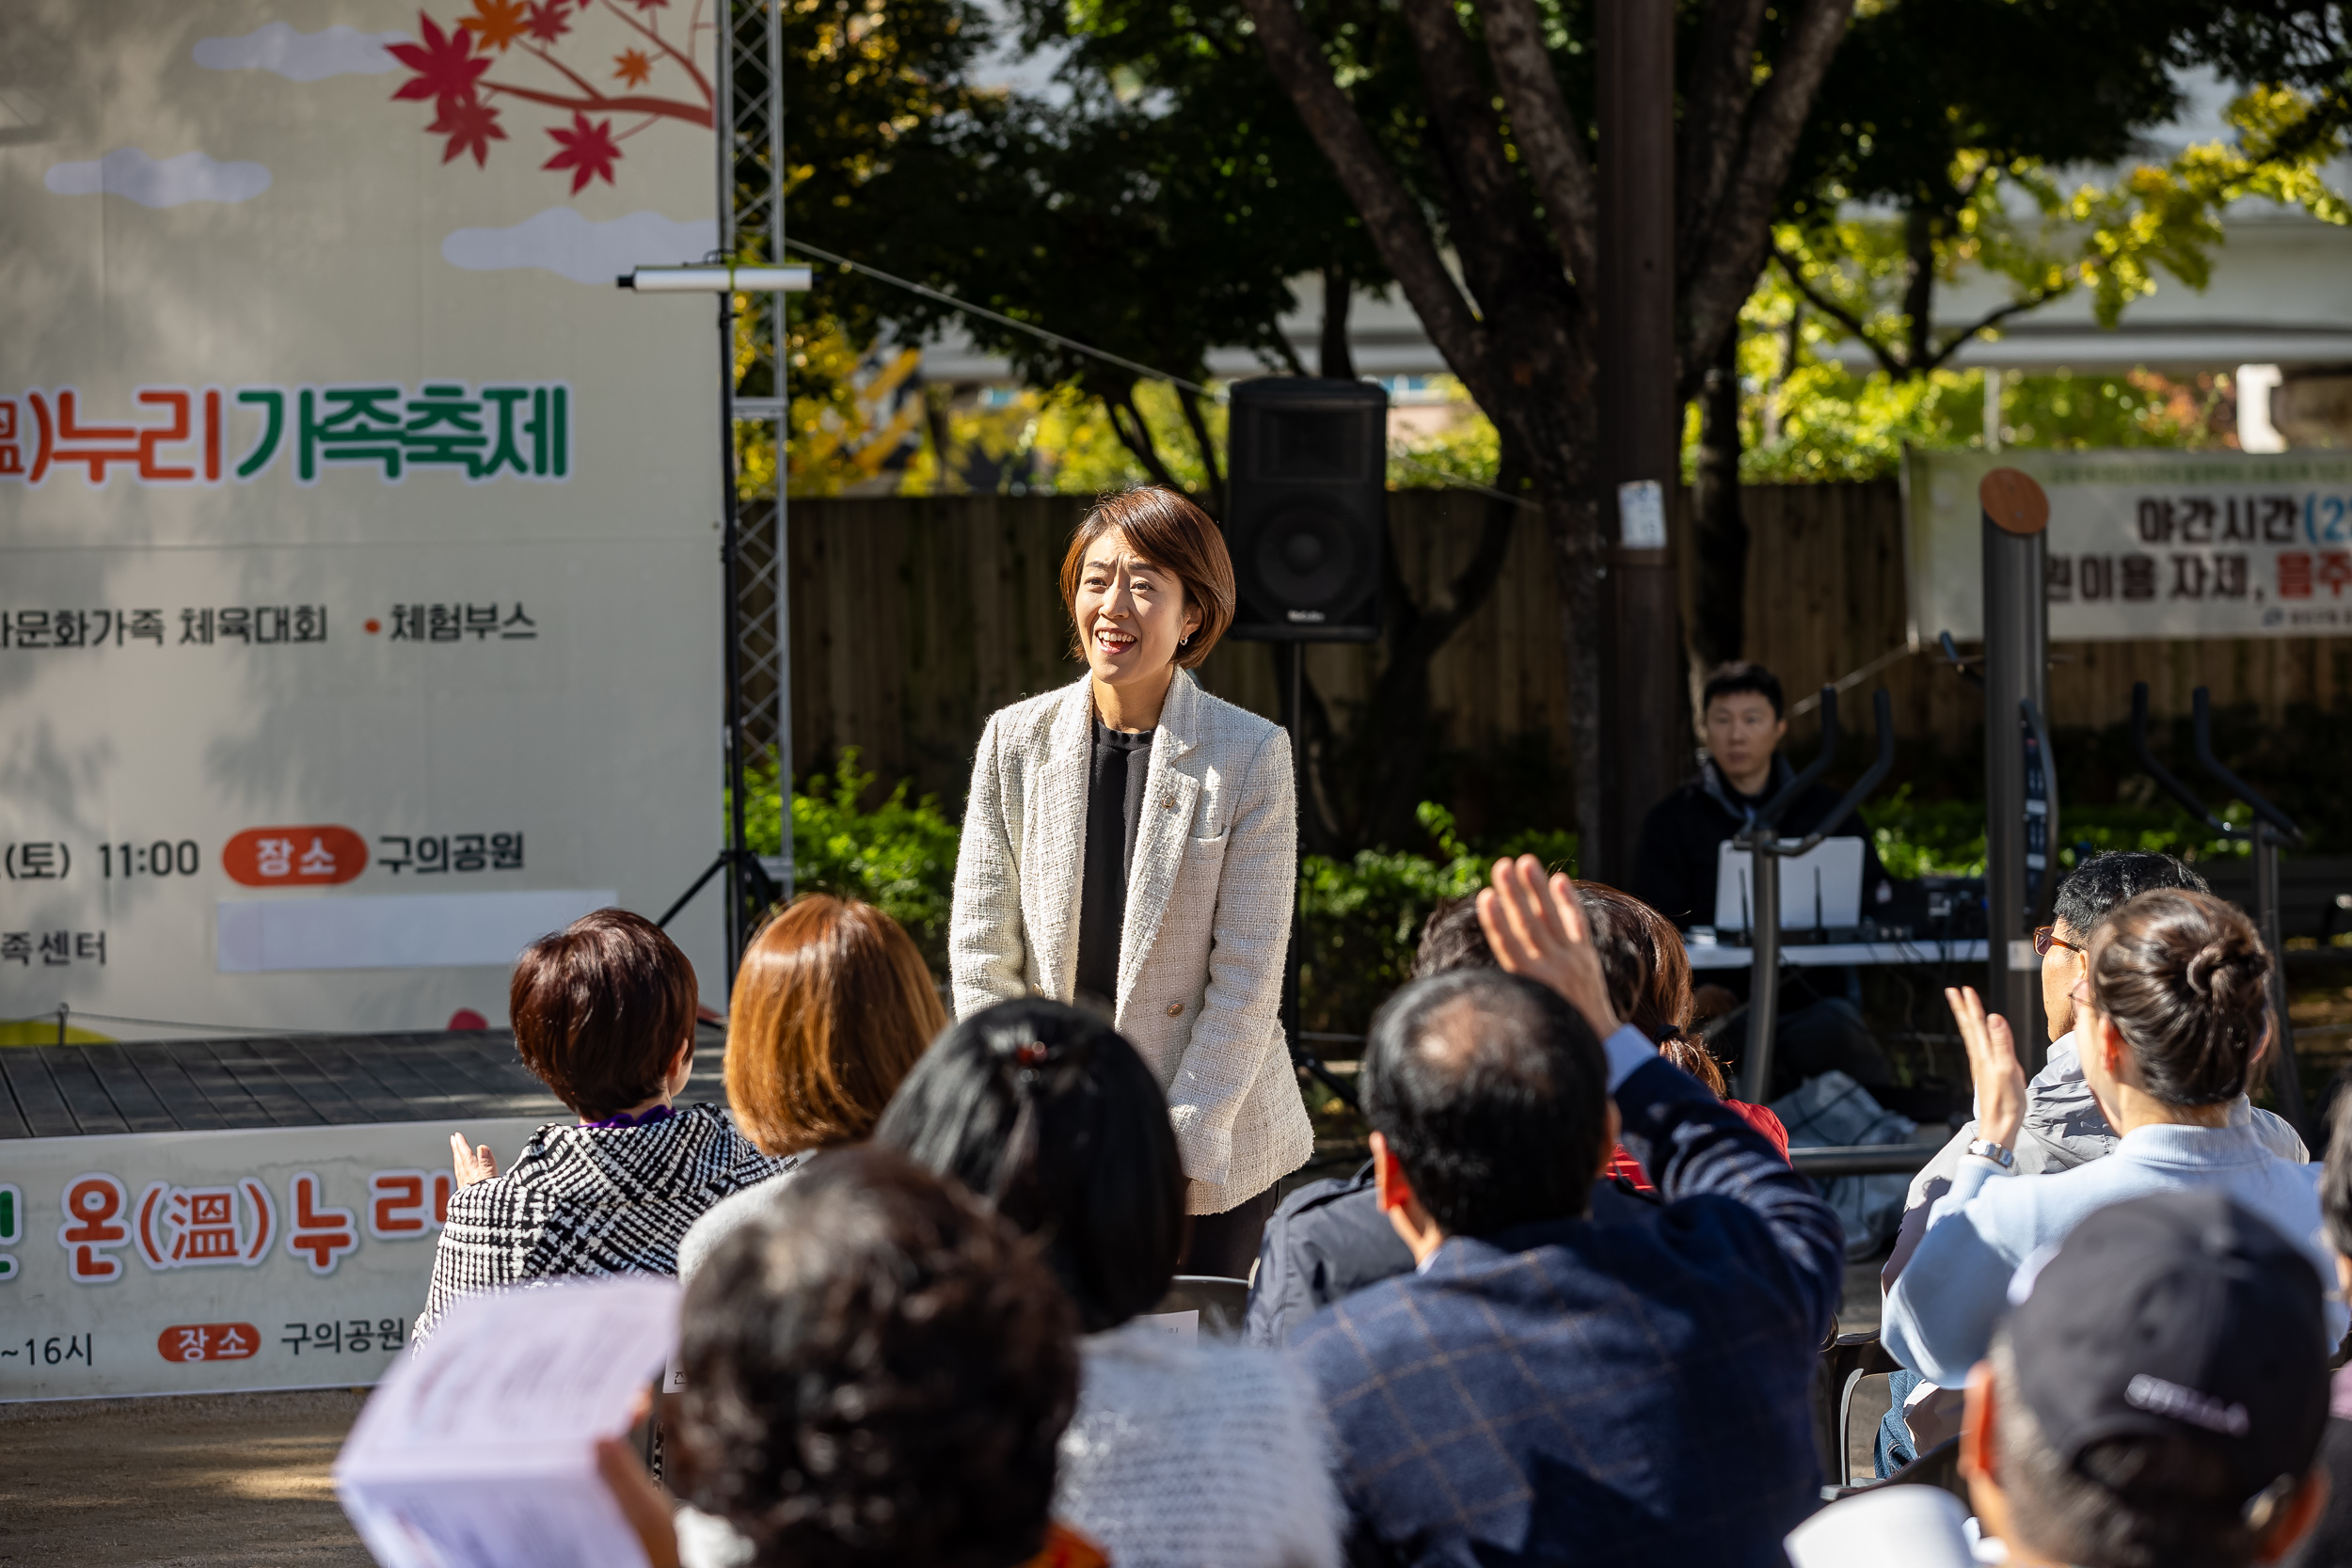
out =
column 1537, row 928
column 472, row 1163
column 1993, row 1067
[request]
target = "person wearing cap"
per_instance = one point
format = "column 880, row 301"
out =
column 2155, row 1398
column 2171, row 1017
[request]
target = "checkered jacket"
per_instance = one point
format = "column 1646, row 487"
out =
column 1582, row 1392
column 591, row 1201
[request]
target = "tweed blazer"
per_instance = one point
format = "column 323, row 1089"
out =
column 1208, row 914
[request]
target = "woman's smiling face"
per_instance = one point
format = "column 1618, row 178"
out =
column 1131, row 612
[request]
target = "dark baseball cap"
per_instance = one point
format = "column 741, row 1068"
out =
column 2177, row 1315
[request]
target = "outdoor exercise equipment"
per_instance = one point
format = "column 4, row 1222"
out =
column 2021, row 781
column 1763, row 841
column 2268, row 830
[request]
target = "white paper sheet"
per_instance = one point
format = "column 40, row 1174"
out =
column 479, row 1451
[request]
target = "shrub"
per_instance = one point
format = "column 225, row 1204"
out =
column 899, row 857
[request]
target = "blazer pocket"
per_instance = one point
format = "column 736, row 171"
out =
column 1207, row 848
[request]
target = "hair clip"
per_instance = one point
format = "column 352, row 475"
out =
column 1031, row 1054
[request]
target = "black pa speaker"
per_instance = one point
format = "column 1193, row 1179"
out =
column 1308, row 508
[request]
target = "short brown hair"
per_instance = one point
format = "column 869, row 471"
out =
column 1168, row 531
column 831, row 1009
column 599, row 1009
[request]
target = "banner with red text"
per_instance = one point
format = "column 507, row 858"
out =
column 191, row 1262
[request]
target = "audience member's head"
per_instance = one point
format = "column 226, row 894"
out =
column 1490, row 1094
column 603, row 1011
column 1648, row 972
column 833, row 1006
column 878, row 1370
column 2093, row 889
column 2179, row 978
column 1452, row 939
column 1641, row 954
column 1049, row 1114
column 2158, row 1396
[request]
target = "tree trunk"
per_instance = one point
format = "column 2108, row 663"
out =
column 1335, row 362
column 1719, row 534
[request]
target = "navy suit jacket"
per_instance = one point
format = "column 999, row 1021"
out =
column 1575, row 1391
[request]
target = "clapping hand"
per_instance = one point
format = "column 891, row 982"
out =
column 472, row 1163
column 1993, row 1067
column 1537, row 928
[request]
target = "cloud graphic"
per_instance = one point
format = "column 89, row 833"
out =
column 129, row 172
column 561, row 242
column 301, row 56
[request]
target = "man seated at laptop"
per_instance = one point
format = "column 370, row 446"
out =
column 1745, row 718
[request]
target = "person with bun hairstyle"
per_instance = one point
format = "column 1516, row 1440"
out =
column 1130, row 845
column 833, row 1006
column 2172, row 1019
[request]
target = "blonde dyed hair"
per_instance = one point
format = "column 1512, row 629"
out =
column 831, row 1008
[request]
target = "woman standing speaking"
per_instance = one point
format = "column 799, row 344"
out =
column 1131, row 845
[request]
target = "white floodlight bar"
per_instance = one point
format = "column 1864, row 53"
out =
column 715, row 280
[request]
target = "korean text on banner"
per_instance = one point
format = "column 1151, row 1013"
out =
column 197, row 1263
column 2146, row 544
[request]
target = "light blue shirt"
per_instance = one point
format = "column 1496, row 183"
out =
column 1941, row 1314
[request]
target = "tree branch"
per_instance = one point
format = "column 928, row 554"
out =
column 1729, row 241
column 1190, row 401
column 1138, row 440
column 1546, row 134
column 1991, row 319
column 1722, row 73
column 1393, row 219
column 1839, row 314
column 667, row 48
column 1483, row 193
column 668, row 108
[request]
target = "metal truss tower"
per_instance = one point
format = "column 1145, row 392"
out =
column 751, row 226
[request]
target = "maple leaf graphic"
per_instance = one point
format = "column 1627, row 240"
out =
column 634, row 66
column 496, row 23
column 445, row 64
column 471, row 126
column 589, row 150
column 547, row 22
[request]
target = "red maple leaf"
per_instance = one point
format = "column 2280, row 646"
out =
column 445, row 64
column 634, row 66
column 471, row 126
column 547, row 22
column 589, row 150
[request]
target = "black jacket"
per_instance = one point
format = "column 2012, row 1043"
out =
column 1673, row 868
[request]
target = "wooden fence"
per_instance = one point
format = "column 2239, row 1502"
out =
column 915, row 617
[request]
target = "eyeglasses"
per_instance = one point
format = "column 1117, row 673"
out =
column 2046, row 937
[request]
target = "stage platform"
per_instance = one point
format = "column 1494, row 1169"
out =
column 195, row 1086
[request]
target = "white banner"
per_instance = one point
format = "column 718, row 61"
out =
column 192, row 1263
column 358, row 590
column 2145, row 543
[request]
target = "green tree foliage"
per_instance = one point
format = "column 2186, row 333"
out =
column 899, row 856
column 1944, row 139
